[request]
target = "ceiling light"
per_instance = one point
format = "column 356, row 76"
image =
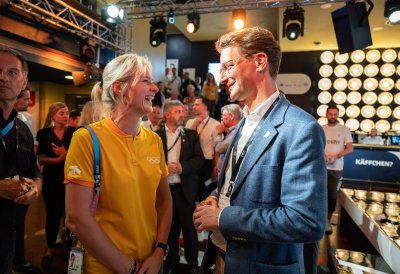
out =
column 369, row 98
column 353, row 111
column 158, row 33
column 341, row 71
column 357, row 56
column 112, row 14
column 370, row 84
column 354, row 84
column 388, row 69
column 239, row 18
column 342, row 110
column 321, row 110
column 193, row 24
column 385, row 98
column 339, row 97
column 325, row 70
column 397, row 98
column 392, row 11
column 324, row 97
column 386, row 84
column 356, row 70
column 371, row 70
column 382, row 125
column 171, row 16
column 293, row 22
column 327, row 57
column 324, row 84
column 354, row 97
column 366, row 125
column 368, row 111
column 341, row 58
column 373, row 55
column 395, row 125
column 383, row 112
column 352, row 124
column 389, row 55
column 322, row 121
column 340, row 84
column 396, row 113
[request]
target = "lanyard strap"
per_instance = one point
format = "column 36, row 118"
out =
column 7, row 128
column 96, row 150
column 176, row 141
column 236, row 164
column 199, row 132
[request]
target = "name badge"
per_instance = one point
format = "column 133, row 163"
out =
column 75, row 262
column 223, row 201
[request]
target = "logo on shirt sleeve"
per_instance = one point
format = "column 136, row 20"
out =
column 73, row 170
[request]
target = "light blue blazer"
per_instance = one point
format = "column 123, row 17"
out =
column 279, row 200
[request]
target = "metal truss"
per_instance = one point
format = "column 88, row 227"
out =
column 150, row 8
column 66, row 17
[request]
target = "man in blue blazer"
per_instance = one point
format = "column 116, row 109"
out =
column 272, row 194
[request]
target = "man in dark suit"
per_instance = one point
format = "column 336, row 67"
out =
column 184, row 158
column 271, row 196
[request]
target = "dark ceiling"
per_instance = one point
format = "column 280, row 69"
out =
column 43, row 73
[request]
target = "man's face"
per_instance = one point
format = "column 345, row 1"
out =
column 74, row 122
column 12, row 78
column 239, row 75
column 22, row 103
column 226, row 118
column 198, row 107
column 175, row 116
column 154, row 116
column 332, row 116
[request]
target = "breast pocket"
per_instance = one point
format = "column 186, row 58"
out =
column 266, row 186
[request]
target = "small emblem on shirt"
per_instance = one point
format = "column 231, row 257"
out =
column 267, row 134
column 153, row 159
column 73, row 170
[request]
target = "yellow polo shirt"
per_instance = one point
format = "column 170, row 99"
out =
column 131, row 169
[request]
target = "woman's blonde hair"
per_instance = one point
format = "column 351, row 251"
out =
column 126, row 69
column 53, row 108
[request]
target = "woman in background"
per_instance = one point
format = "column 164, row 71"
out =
column 53, row 142
column 210, row 93
column 129, row 231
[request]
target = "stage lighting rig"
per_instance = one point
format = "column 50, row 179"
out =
column 293, row 22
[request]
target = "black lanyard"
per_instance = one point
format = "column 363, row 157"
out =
column 235, row 166
column 203, row 126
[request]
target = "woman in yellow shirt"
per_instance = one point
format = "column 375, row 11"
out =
column 210, row 93
column 133, row 216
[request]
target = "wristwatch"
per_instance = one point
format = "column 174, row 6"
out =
column 163, row 246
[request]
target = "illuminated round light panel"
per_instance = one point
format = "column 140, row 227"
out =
column 371, row 70
column 389, row 55
column 387, row 70
column 321, row 110
column 327, row 57
column 324, row 97
column 340, row 120
column 369, row 98
column 354, row 97
column 357, row 70
column 353, row 111
column 373, row 56
column 396, row 125
column 367, row 111
column 382, row 125
column 397, row 98
column 383, row 112
column 398, row 84
column 386, row 84
column 357, row 56
column 366, row 125
column 385, row 98
column 341, row 71
column 370, row 84
column 340, row 84
column 325, row 71
column 398, row 70
column 322, row 121
column 339, row 97
column 342, row 110
column 354, row 84
column 324, row 84
column 352, row 124
column 396, row 113
column 341, row 58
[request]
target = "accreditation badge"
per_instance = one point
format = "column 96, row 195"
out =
column 75, row 262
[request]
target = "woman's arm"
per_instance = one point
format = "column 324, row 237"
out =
column 164, row 217
column 79, row 220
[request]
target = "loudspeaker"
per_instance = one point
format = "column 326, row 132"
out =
column 352, row 27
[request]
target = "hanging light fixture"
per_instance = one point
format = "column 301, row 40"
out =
column 158, row 31
column 392, row 11
column 239, row 18
column 293, row 22
column 112, row 14
column 193, row 24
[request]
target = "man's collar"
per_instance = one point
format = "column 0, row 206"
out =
column 13, row 114
column 261, row 109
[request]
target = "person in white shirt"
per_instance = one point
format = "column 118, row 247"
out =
column 373, row 138
column 153, row 122
column 338, row 144
column 206, row 127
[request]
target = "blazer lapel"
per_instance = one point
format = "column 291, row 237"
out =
column 262, row 141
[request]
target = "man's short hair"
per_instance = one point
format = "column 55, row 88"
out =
column 233, row 109
column 74, row 114
column 253, row 40
column 170, row 104
column 332, row 107
column 24, row 65
column 22, row 93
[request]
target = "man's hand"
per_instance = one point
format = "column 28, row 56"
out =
column 11, row 188
column 205, row 217
column 174, row 168
column 33, row 190
column 153, row 263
